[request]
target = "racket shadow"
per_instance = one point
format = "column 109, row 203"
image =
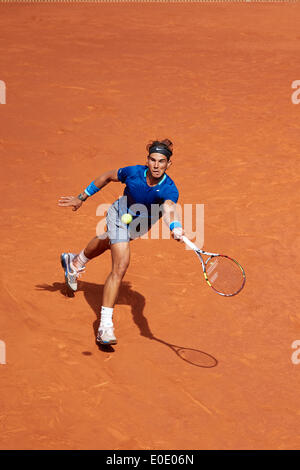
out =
column 192, row 356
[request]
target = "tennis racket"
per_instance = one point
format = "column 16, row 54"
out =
column 222, row 273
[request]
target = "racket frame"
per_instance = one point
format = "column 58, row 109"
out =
column 200, row 252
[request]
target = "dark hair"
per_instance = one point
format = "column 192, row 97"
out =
column 165, row 143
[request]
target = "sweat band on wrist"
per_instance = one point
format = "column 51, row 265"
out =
column 91, row 189
column 175, row 224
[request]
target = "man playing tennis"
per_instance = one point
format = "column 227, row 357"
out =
column 146, row 185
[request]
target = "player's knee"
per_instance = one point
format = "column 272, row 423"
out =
column 120, row 268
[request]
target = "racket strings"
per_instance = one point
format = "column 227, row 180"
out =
column 224, row 275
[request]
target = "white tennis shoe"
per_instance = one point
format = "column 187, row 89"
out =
column 71, row 273
column 106, row 336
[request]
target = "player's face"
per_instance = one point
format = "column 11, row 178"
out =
column 158, row 164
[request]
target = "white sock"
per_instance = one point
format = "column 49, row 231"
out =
column 106, row 317
column 80, row 260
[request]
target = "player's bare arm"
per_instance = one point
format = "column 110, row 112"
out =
column 99, row 183
column 170, row 216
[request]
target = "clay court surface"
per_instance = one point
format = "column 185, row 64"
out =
column 87, row 87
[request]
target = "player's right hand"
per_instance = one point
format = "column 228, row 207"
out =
column 67, row 201
column 177, row 233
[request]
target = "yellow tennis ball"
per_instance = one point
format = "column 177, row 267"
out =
column 126, row 218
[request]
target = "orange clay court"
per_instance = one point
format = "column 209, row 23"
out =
column 87, row 86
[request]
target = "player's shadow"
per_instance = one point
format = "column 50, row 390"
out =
column 127, row 296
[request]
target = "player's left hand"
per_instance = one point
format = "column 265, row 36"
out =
column 177, row 233
column 66, row 201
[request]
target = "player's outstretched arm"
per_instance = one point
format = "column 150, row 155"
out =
column 172, row 219
column 76, row 201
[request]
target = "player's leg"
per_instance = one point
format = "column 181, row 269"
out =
column 120, row 253
column 74, row 265
column 95, row 247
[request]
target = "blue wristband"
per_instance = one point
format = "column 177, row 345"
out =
column 91, row 189
column 175, row 224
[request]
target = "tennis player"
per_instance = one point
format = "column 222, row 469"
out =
column 146, row 185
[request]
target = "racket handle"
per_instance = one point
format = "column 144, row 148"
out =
column 189, row 243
